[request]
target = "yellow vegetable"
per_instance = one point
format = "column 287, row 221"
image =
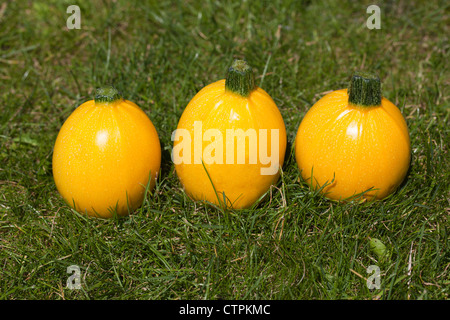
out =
column 104, row 154
column 353, row 141
column 230, row 141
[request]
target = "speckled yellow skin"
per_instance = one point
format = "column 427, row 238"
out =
column 354, row 148
column 221, row 109
column 104, row 152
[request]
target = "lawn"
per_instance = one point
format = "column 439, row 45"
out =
column 294, row 244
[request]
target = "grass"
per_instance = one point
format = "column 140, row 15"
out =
column 294, row 244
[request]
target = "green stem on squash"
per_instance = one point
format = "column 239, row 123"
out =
column 364, row 90
column 240, row 78
column 107, row 94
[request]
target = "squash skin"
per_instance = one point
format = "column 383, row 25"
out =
column 103, row 156
column 353, row 148
column 220, row 109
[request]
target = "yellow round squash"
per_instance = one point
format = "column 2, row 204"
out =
column 104, row 156
column 354, row 142
column 230, row 141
